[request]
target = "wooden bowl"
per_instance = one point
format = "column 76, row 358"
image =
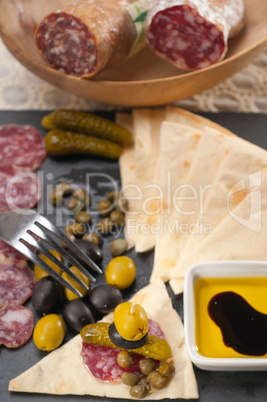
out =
column 143, row 80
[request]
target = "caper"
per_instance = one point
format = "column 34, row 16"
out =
column 64, row 187
column 146, row 366
column 82, row 217
column 117, row 218
column 113, row 195
column 69, row 236
column 125, row 359
column 157, row 380
column 105, row 226
column 166, row 369
column 130, row 379
column 104, row 207
column 55, row 197
column 121, row 204
column 83, row 196
column 118, row 246
column 92, row 237
column 75, row 229
column 73, row 203
column 139, row 391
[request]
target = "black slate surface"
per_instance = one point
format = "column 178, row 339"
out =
column 213, row 386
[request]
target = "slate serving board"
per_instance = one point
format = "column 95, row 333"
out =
column 213, row 386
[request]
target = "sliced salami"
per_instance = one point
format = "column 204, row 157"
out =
column 102, row 361
column 193, row 34
column 18, row 189
column 10, row 252
column 83, row 38
column 17, row 281
column 16, row 326
column 22, row 147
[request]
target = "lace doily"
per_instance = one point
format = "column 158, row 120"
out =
column 246, row 91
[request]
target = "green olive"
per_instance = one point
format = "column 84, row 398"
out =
column 104, row 207
column 117, row 218
column 105, row 226
column 49, row 332
column 138, row 391
column 125, row 359
column 113, row 195
column 75, row 228
column 130, row 379
column 166, row 369
column 131, row 321
column 120, row 272
column 147, row 365
column 39, row 272
column 68, row 293
column 92, row 237
column 82, row 217
column 118, row 247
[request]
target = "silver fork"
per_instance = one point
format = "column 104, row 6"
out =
column 22, row 228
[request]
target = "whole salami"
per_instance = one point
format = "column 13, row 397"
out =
column 21, row 147
column 193, row 34
column 83, row 38
column 16, row 326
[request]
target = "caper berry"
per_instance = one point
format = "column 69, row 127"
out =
column 105, row 226
column 117, row 218
column 146, row 366
column 113, row 195
column 73, row 203
column 125, row 359
column 76, row 229
column 139, row 391
column 104, row 207
column 157, row 380
column 82, row 217
column 130, row 379
column 121, row 204
column 55, row 197
column 118, row 246
column 92, row 237
column 64, row 187
column 166, row 369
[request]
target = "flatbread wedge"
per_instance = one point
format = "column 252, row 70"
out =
column 63, row 372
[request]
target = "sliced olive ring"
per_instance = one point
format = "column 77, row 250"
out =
column 120, row 342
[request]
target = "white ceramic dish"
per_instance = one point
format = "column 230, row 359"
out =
column 218, row 269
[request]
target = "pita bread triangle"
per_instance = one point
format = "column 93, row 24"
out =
column 62, row 371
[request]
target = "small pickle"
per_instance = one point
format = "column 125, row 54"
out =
column 166, row 369
column 62, row 143
column 147, row 365
column 86, row 123
column 105, row 226
column 92, row 237
column 125, row 359
column 138, row 391
column 117, row 218
column 104, row 207
column 97, row 334
column 75, row 228
column 118, row 247
column 82, row 217
column 130, row 379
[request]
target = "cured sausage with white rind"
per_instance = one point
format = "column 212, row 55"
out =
column 16, row 326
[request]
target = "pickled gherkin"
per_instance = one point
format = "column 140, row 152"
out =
column 60, row 143
column 97, row 334
column 86, row 123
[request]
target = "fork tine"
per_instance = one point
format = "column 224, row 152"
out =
column 23, row 247
column 45, row 250
column 49, row 227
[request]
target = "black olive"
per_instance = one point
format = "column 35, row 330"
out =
column 91, row 249
column 105, row 298
column 119, row 341
column 77, row 314
column 47, row 295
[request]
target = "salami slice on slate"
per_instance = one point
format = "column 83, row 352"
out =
column 17, row 281
column 10, row 252
column 16, row 326
column 193, row 34
column 18, row 189
column 21, row 147
column 83, row 38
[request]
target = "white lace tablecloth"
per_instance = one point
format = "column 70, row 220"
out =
column 245, row 91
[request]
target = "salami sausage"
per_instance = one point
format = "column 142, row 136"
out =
column 83, row 38
column 17, row 281
column 102, row 361
column 16, row 326
column 18, row 189
column 22, row 147
column 10, row 252
column 193, row 34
